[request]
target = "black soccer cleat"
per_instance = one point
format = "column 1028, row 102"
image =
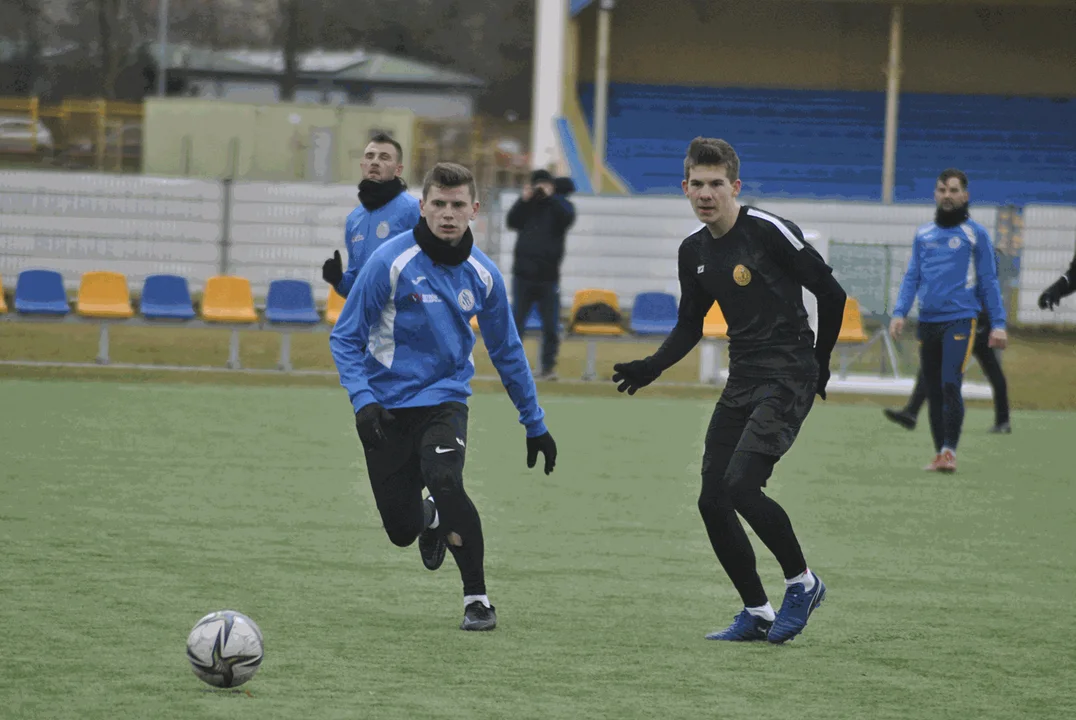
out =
column 1002, row 429
column 477, row 616
column 430, row 543
column 900, row 417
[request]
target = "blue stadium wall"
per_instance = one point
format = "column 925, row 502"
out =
column 798, row 88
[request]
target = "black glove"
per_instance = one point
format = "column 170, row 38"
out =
column 823, row 377
column 1051, row 296
column 370, row 421
column 634, row 375
column 333, row 270
column 545, row 445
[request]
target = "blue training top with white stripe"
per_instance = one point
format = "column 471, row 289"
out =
column 404, row 336
column 953, row 273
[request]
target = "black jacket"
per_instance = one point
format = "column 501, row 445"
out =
column 542, row 225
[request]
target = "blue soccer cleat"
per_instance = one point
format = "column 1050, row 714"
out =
column 745, row 628
column 796, row 608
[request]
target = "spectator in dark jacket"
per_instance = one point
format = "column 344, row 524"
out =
column 541, row 217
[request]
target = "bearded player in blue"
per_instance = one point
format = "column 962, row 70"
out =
column 385, row 210
column 953, row 273
column 403, row 347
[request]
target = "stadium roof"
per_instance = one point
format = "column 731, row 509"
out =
column 356, row 65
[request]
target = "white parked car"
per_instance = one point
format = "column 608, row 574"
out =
column 17, row 135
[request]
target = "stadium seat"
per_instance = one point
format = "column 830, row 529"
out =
column 594, row 297
column 228, row 299
column 715, row 331
column 291, row 301
column 104, row 294
column 166, row 297
column 590, row 297
column 653, row 313
column 714, row 325
column 41, row 292
column 333, row 306
column 3, row 302
column 852, row 331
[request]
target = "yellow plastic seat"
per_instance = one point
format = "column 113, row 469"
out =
column 228, row 299
column 104, row 294
column 714, row 325
column 852, row 326
column 3, row 303
column 333, row 306
column 593, row 296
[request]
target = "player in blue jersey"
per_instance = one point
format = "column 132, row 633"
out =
column 952, row 272
column 385, row 210
column 403, row 348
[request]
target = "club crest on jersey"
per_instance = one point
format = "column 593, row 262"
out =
column 741, row 275
column 954, row 243
column 466, row 300
column 383, row 229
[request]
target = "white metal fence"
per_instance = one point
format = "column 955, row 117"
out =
column 142, row 225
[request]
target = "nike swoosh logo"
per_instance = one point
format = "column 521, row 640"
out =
column 442, row 450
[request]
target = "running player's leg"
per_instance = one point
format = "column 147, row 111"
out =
column 780, row 407
column 958, row 340
column 930, row 364
column 442, row 450
column 396, row 481
column 727, row 536
column 989, row 360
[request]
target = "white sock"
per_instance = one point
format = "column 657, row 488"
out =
column 948, row 449
column 764, row 611
column 436, row 516
column 468, row 599
column 806, row 578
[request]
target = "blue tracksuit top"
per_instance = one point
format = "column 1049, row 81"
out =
column 953, row 272
column 366, row 230
column 404, row 336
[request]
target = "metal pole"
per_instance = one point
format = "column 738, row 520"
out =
column 601, row 92
column 892, row 98
column 162, row 46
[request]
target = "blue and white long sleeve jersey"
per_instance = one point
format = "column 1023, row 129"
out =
column 404, row 336
column 953, row 273
column 365, row 231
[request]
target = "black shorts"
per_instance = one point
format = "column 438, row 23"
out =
column 422, row 442
column 756, row 415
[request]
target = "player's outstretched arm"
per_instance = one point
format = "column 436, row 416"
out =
column 1062, row 287
column 685, row 335
column 350, row 338
column 506, row 351
column 988, row 289
column 909, row 286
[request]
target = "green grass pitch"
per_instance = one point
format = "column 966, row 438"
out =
column 129, row 511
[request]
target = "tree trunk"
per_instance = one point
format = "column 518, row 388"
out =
column 290, row 46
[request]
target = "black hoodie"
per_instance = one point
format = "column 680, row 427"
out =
column 542, row 224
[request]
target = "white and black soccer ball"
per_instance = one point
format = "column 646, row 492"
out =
column 225, row 648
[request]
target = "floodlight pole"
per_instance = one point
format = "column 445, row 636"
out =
column 892, row 100
column 601, row 92
column 162, row 47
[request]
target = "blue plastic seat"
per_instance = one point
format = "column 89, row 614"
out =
column 166, row 297
column 41, row 292
column 653, row 313
column 291, row 301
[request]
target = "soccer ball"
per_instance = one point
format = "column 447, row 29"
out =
column 225, row 648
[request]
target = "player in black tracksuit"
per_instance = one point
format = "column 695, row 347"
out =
column 755, row 265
